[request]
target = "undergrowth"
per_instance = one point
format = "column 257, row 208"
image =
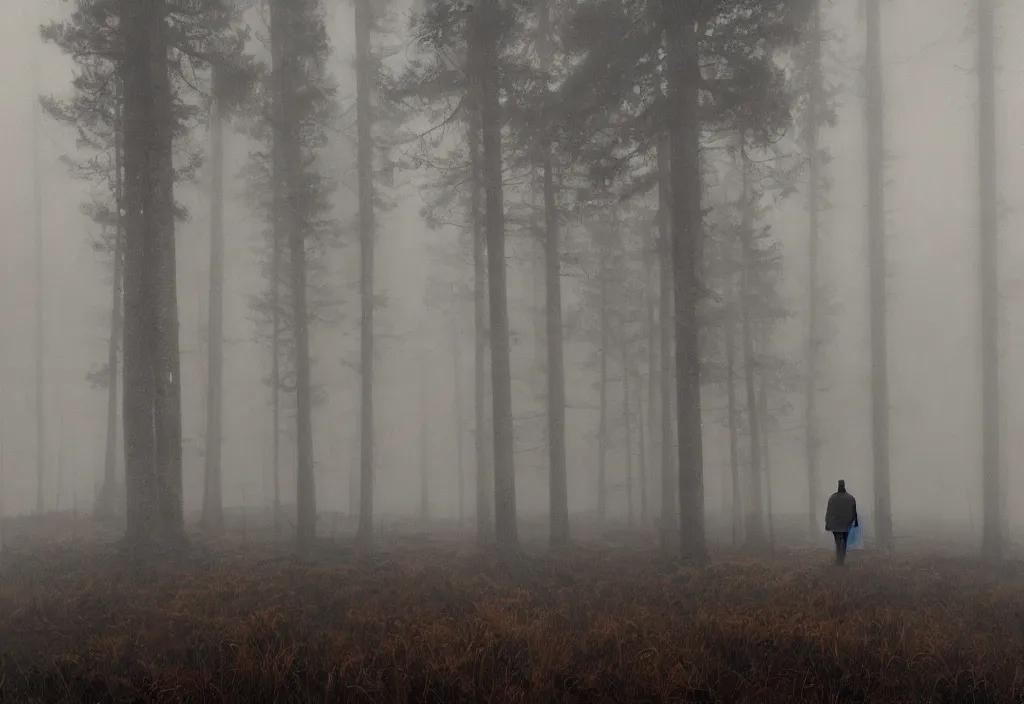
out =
column 445, row 624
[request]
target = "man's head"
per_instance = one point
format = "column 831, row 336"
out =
column 842, row 485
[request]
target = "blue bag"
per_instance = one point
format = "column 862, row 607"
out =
column 854, row 540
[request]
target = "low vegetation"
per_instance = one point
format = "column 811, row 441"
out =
column 426, row 621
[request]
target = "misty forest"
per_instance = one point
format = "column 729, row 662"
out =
column 511, row 350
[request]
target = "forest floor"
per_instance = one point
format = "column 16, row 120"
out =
column 431, row 620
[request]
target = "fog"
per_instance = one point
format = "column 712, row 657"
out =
column 931, row 126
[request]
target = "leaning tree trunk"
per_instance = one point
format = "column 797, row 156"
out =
column 877, row 275
column 213, row 503
column 506, row 532
column 992, row 531
column 687, row 233
column 364, row 120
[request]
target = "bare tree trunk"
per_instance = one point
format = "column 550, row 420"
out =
column 364, row 119
column 642, row 444
column 755, row 517
column 602, row 425
column 167, row 361
column 687, row 235
column 506, row 531
column 559, row 481
column 669, row 523
column 763, row 414
column 877, row 275
column 457, row 409
column 139, row 24
column 650, row 439
column 730, row 390
column 287, row 163
column 424, row 462
column 275, row 362
column 105, row 504
column 481, row 335
column 988, row 197
column 813, row 324
column 628, row 422
column 40, row 347
column 558, row 478
column 213, row 504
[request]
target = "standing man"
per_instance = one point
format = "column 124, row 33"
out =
column 840, row 516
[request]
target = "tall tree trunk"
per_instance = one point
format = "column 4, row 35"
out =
column 275, row 363
column 602, row 425
column 877, row 275
column 642, row 444
column 213, row 504
column 105, row 504
column 815, row 100
column 287, row 159
column 988, row 200
column 687, row 233
column 364, row 119
column 457, row 409
column 730, row 391
column 558, row 477
column 506, row 531
column 668, row 522
column 755, row 516
column 40, row 348
column 649, row 440
column 559, row 481
column 167, row 361
column 763, row 414
column 140, row 26
column 422, row 436
column 627, row 422
column 484, row 480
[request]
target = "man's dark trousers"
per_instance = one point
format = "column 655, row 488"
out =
column 841, row 539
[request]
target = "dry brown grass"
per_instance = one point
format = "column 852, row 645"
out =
column 422, row 623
